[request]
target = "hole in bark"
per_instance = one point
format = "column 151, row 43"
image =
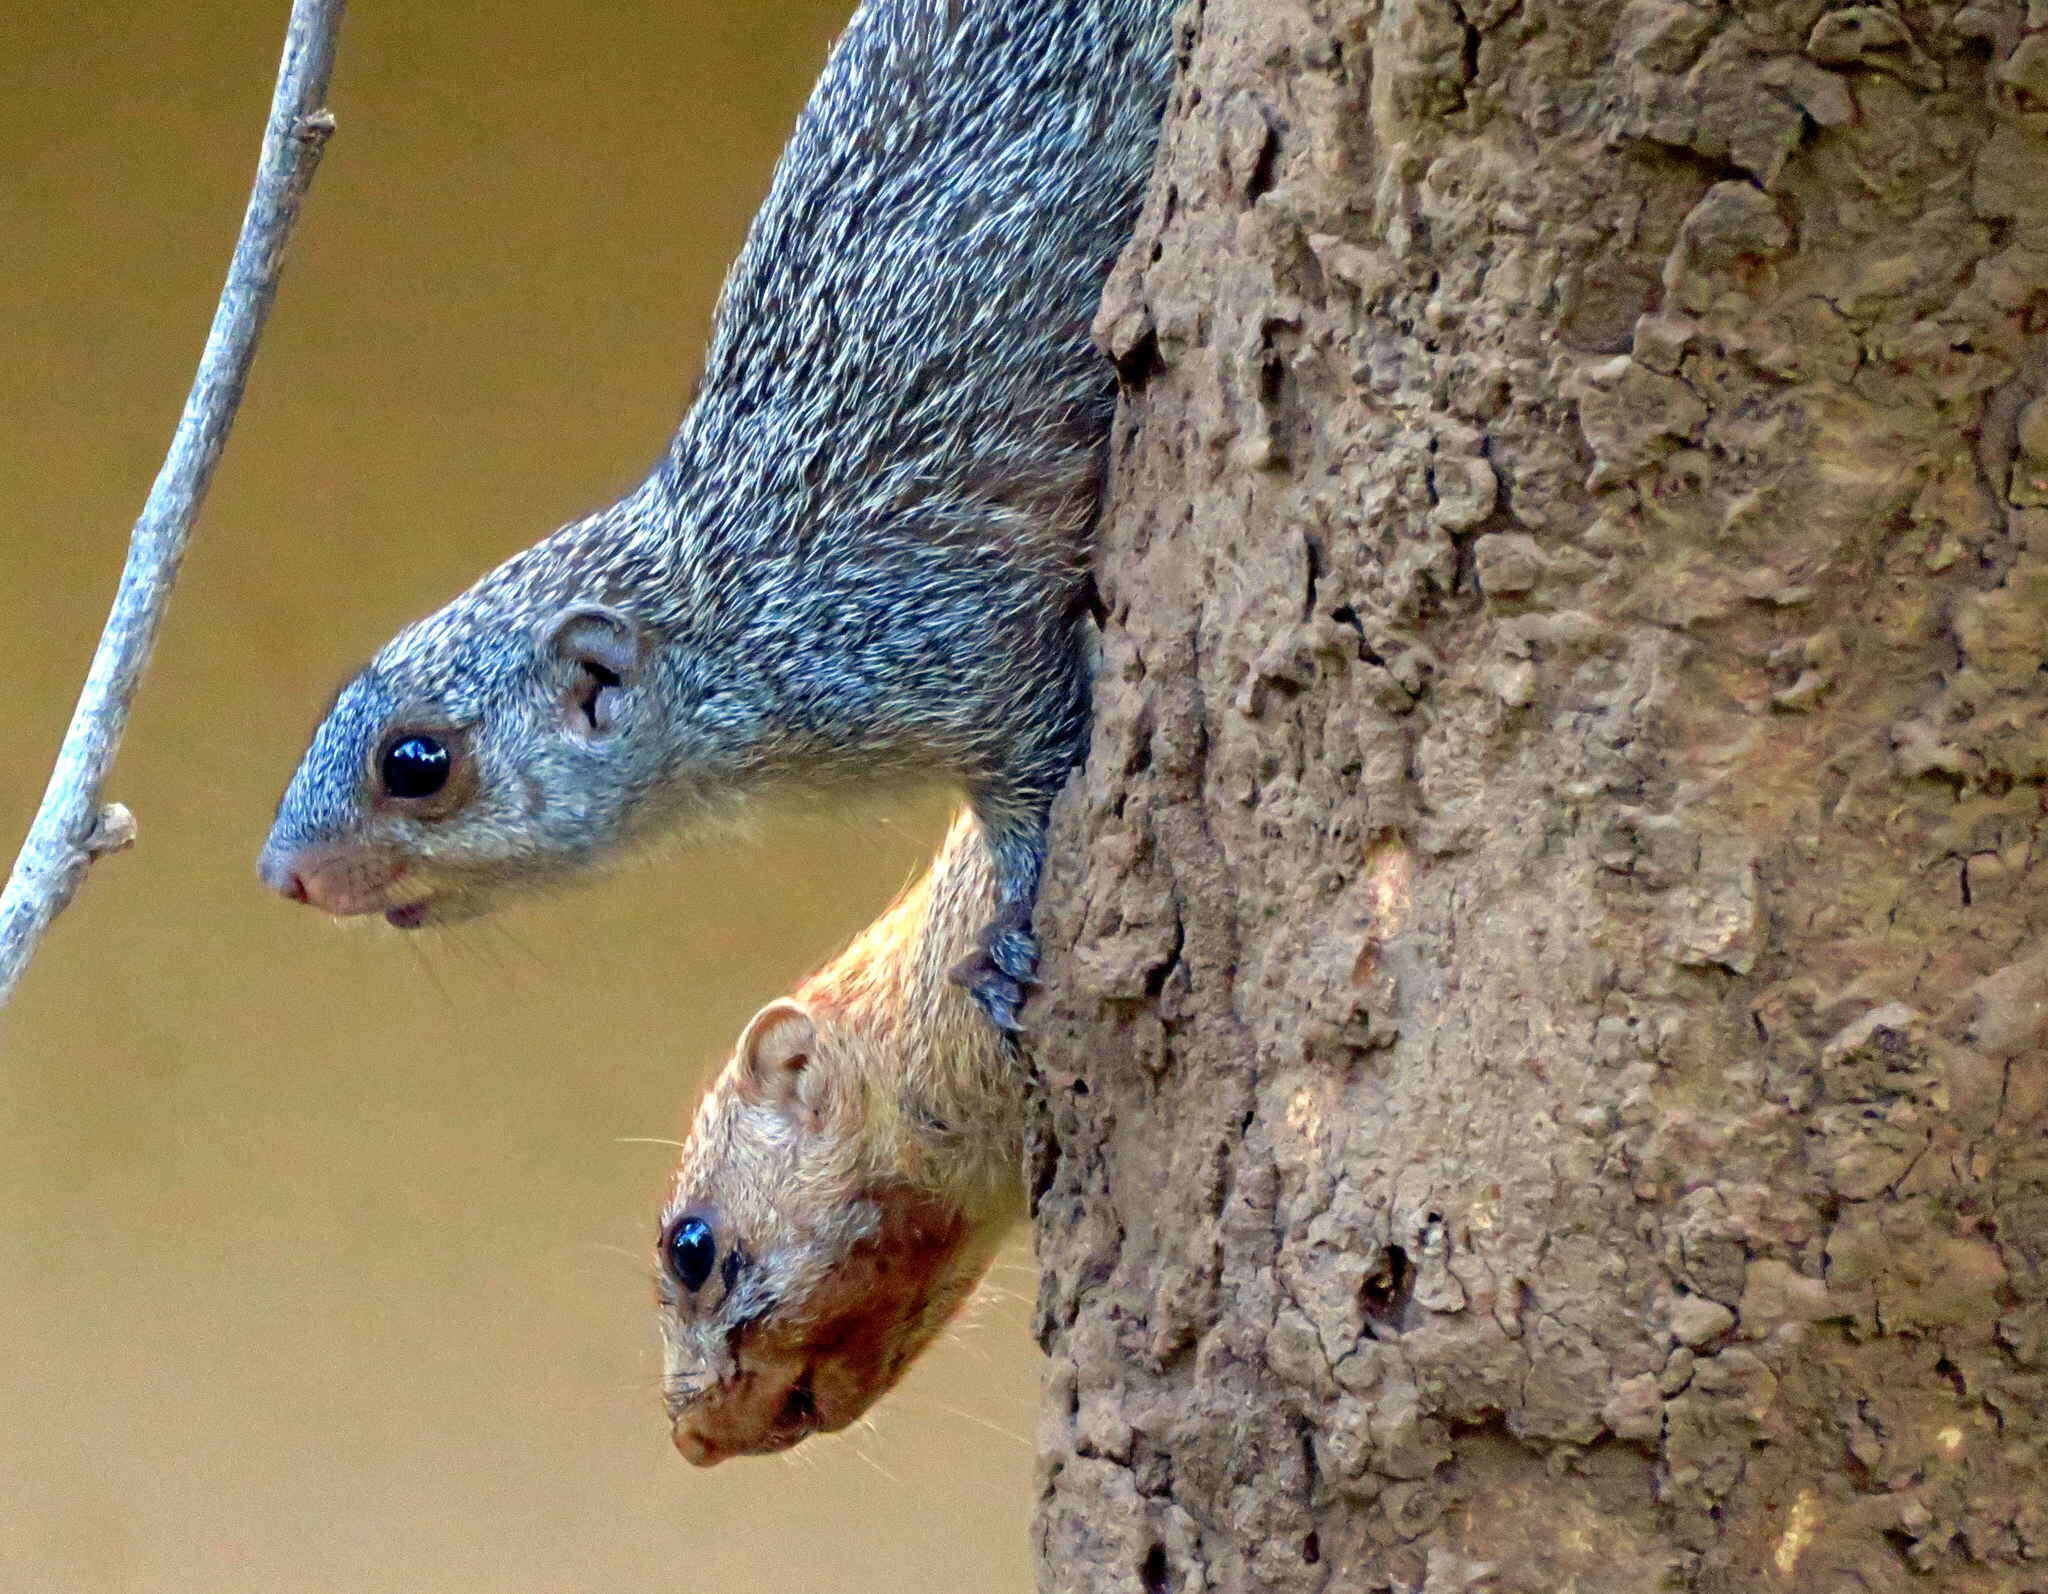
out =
column 1261, row 179
column 1312, row 1549
column 1386, row 1292
column 1272, row 375
column 1945, row 1368
column 1153, row 1573
column 1348, row 616
column 1043, row 1161
column 1311, row 1472
column 1313, row 546
column 1714, row 169
column 1138, row 364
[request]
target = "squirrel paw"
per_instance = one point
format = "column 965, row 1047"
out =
column 997, row 974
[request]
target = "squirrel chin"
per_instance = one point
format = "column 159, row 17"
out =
column 435, row 909
column 430, row 906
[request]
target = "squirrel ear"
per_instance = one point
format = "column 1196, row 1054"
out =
column 596, row 654
column 775, row 1055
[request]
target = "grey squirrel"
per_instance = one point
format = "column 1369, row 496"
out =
column 862, row 559
column 846, row 1181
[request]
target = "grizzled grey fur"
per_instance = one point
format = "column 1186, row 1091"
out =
column 863, row 555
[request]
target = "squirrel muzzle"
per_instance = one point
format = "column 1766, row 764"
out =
column 341, row 878
column 818, row 1365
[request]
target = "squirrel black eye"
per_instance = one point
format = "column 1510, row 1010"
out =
column 691, row 1251
column 415, row 766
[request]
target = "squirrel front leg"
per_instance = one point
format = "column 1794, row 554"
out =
column 1013, row 813
column 1003, row 966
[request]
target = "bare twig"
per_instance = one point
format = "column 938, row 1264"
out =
column 71, row 828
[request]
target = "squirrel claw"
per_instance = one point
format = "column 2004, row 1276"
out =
column 994, row 992
column 998, row 972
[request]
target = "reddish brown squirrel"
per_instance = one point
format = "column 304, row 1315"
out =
column 847, row 1179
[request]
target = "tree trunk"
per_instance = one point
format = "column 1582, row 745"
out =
column 1544, row 1044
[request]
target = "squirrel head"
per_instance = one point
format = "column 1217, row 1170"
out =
column 510, row 740
column 798, row 1274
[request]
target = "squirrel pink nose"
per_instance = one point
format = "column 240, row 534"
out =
column 338, row 879
column 277, row 872
column 694, row 1448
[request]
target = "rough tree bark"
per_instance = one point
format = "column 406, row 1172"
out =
column 1544, row 1047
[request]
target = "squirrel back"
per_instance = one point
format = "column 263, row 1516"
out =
column 845, row 1183
column 861, row 558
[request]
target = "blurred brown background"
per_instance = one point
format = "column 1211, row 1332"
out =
column 324, row 1268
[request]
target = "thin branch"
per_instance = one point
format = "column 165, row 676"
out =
column 71, row 828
